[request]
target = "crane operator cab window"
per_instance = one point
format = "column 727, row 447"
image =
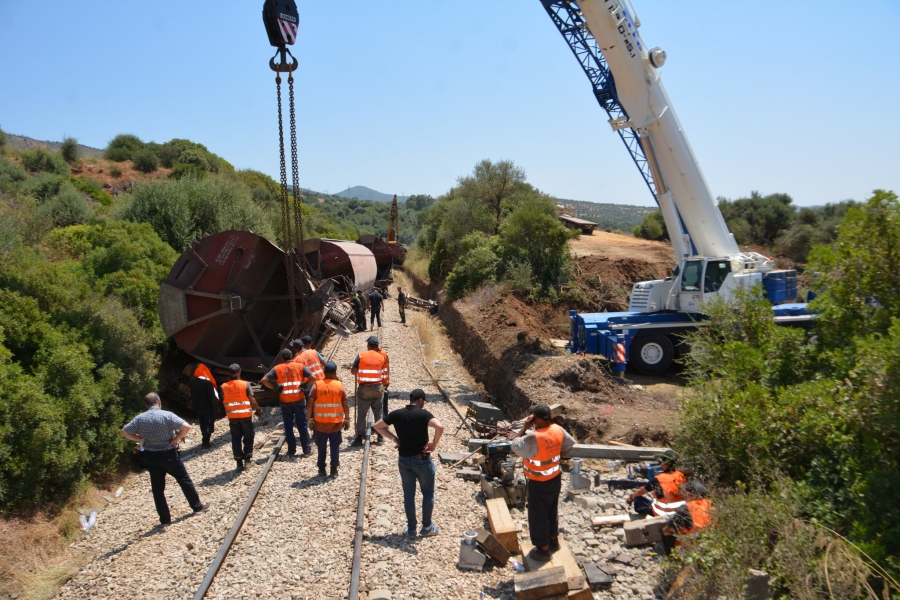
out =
column 692, row 277
column 716, row 272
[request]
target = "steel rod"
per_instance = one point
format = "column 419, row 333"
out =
column 239, row 522
column 360, row 513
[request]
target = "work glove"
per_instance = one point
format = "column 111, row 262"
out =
column 346, row 424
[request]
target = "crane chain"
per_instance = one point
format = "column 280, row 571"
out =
column 287, row 234
column 295, row 172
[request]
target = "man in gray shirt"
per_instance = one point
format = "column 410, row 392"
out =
column 159, row 432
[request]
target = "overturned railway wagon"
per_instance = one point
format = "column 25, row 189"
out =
column 384, row 258
column 349, row 265
column 226, row 299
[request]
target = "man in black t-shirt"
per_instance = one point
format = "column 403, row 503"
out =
column 375, row 301
column 411, row 424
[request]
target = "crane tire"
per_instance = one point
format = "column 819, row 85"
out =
column 652, row 354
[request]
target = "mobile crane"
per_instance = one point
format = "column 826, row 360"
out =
column 604, row 36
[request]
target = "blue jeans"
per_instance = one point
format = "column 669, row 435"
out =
column 413, row 469
column 323, row 441
column 295, row 412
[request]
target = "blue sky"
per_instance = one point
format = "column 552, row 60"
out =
column 405, row 96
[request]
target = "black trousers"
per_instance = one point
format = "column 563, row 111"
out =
column 168, row 462
column 207, row 426
column 543, row 510
column 384, row 405
column 241, row 431
column 360, row 321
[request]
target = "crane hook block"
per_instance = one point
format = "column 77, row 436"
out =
column 281, row 20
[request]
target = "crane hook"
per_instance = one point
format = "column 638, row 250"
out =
column 283, row 66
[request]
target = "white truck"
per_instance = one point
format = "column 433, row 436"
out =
column 625, row 73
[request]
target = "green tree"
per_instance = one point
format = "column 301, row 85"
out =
column 145, row 161
column 533, row 233
column 477, row 266
column 69, row 150
column 2, row 138
column 40, row 160
column 123, row 147
column 652, row 227
column 182, row 210
column 767, row 216
column 68, row 207
column 493, row 184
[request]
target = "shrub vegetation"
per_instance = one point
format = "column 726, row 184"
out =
column 69, row 150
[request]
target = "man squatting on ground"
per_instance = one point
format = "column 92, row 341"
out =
column 203, row 399
column 328, row 412
column 542, row 450
column 694, row 515
column 411, row 424
column 287, row 378
column 372, row 376
column 666, row 495
column 159, row 432
column 240, row 405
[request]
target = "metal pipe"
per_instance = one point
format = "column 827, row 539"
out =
column 360, row 513
column 236, row 528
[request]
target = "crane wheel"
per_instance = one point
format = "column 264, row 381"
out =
column 652, row 354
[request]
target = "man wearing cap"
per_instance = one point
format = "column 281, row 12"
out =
column 371, row 377
column 240, row 405
column 411, row 424
column 287, row 379
column 401, row 304
column 328, row 412
column 542, row 450
column 666, row 497
column 159, row 432
column 312, row 359
column 375, row 302
column 203, row 400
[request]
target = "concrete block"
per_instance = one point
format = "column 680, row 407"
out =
column 469, row 474
column 586, row 501
column 645, row 531
column 758, row 586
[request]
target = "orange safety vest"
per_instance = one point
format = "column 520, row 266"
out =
column 328, row 407
column 387, row 367
column 671, row 497
column 310, row 360
column 236, row 401
column 544, row 465
column 290, row 377
column 371, row 368
column 700, row 515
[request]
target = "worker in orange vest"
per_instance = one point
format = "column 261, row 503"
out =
column 542, row 449
column 240, row 405
column 328, row 412
column 690, row 518
column 287, row 378
column 666, row 498
column 371, row 378
column 310, row 358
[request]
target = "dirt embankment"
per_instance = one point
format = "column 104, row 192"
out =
column 506, row 341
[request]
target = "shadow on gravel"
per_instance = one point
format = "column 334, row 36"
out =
column 310, row 482
column 395, row 541
column 221, row 479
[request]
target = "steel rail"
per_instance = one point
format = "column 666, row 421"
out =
column 360, row 514
column 239, row 522
column 441, row 388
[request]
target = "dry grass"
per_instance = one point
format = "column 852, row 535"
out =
column 35, row 558
column 429, row 329
column 417, row 263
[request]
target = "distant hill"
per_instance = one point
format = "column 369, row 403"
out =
column 364, row 193
column 609, row 217
column 22, row 142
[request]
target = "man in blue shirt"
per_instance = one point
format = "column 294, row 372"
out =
column 159, row 432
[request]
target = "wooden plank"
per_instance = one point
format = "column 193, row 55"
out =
column 540, row 584
column 613, row 520
column 584, row 593
column 492, row 546
column 502, row 525
column 560, row 558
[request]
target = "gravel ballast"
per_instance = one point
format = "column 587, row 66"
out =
column 297, row 541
